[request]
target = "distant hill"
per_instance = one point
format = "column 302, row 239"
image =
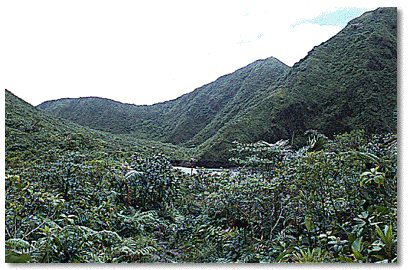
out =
column 348, row 82
column 188, row 120
column 31, row 134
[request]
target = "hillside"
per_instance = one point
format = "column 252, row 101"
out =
column 189, row 119
column 32, row 134
column 348, row 82
column 74, row 194
column 70, row 199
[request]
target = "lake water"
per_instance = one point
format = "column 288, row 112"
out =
column 196, row 170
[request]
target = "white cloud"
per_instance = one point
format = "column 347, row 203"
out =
column 337, row 18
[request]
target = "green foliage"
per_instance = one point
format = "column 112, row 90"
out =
column 73, row 194
column 74, row 243
column 320, row 203
column 261, row 155
column 13, row 257
column 189, row 120
column 348, row 82
column 386, row 248
column 151, row 182
column 310, row 202
column 315, row 255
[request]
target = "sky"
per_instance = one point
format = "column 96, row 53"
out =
column 144, row 52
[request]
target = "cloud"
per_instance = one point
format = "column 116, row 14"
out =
column 242, row 41
column 337, row 18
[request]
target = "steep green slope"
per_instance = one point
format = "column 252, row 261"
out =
column 189, row 119
column 31, row 134
column 348, row 82
column 263, row 74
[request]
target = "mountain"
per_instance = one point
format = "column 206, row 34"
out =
column 31, row 133
column 188, row 120
column 348, row 82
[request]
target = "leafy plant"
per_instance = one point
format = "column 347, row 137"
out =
column 385, row 248
column 151, row 182
column 316, row 255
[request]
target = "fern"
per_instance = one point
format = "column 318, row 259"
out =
column 134, row 249
column 224, row 260
column 145, row 251
column 51, row 224
column 109, row 237
column 18, row 244
column 76, row 230
column 138, row 222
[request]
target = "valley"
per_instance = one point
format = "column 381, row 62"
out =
column 348, row 82
column 268, row 164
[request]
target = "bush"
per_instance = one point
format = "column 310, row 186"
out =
column 152, row 183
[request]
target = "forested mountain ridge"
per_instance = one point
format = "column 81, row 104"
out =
column 348, row 82
column 38, row 135
column 74, row 194
column 176, row 121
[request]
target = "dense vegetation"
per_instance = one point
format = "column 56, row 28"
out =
column 189, row 120
column 75, row 194
column 28, row 128
column 348, row 82
column 330, row 201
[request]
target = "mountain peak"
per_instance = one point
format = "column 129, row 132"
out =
column 347, row 82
